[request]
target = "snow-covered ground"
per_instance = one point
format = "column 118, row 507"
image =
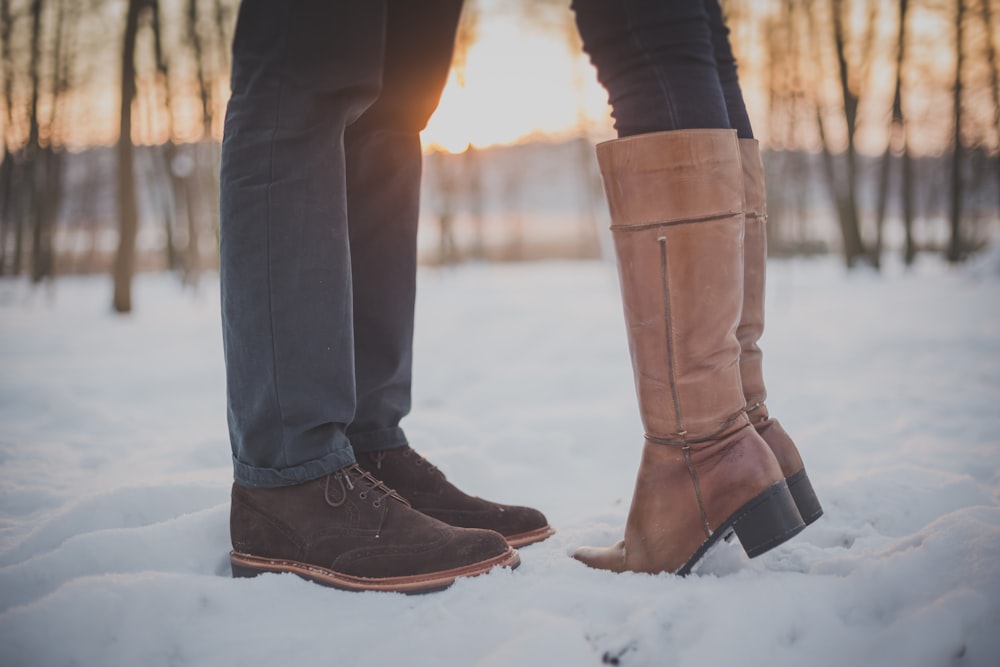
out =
column 114, row 481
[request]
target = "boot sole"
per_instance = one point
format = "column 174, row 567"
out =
column 246, row 565
column 804, row 496
column 530, row 537
column 762, row 523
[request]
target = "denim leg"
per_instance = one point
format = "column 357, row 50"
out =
column 656, row 60
column 302, row 72
column 725, row 62
column 383, row 199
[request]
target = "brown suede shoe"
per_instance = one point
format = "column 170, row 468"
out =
column 427, row 490
column 348, row 530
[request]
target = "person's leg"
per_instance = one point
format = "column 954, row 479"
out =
column 725, row 64
column 303, row 71
column 384, row 162
column 656, row 60
column 383, row 179
column 674, row 184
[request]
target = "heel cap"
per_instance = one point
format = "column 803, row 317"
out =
column 767, row 520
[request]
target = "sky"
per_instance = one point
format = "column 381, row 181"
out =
column 518, row 82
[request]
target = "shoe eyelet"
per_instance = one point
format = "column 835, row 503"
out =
column 377, row 504
column 363, row 495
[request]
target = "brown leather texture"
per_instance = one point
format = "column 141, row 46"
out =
column 681, row 279
column 676, row 201
column 751, row 326
column 347, row 523
column 665, row 525
column 781, row 444
column 681, row 301
column 670, row 176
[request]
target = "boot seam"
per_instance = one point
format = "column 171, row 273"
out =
column 643, row 226
column 669, row 335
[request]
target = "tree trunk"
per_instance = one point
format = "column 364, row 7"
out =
column 124, row 266
column 194, row 35
column 35, row 161
column 168, row 152
column 6, row 209
column 994, row 67
column 7, row 167
column 897, row 145
column 955, row 251
column 854, row 248
column 48, row 162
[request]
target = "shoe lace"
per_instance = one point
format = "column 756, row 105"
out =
column 363, row 479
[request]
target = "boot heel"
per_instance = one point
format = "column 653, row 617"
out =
column 768, row 520
column 804, row 496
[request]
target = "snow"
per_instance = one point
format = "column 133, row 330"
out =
column 114, row 480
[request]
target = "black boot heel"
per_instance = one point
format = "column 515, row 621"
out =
column 804, row 496
column 767, row 520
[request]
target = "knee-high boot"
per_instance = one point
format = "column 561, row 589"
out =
column 751, row 328
column 676, row 202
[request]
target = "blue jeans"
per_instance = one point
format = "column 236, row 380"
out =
column 320, row 183
column 666, row 64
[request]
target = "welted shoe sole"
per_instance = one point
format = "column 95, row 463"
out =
column 246, row 565
column 530, row 536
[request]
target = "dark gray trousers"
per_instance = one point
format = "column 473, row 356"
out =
column 320, row 183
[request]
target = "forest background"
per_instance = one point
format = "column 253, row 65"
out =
column 880, row 122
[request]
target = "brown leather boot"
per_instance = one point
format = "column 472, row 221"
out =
column 348, row 530
column 751, row 328
column 427, row 490
column 676, row 202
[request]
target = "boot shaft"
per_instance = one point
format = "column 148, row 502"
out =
column 751, row 326
column 676, row 202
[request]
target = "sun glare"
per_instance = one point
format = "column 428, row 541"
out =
column 518, row 83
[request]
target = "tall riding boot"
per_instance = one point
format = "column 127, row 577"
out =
column 676, row 202
column 752, row 327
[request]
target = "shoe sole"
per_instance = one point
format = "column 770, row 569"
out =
column 246, row 565
column 530, row 537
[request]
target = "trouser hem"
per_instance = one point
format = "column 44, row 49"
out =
column 246, row 475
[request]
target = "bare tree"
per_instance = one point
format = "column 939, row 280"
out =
column 128, row 214
column 844, row 186
column 897, row 145
column 49, row 157
column 8, row 170
column 955, row 250
column 994, row 73
column 168, row 151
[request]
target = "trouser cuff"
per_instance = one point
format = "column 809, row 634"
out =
column 246, row 475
